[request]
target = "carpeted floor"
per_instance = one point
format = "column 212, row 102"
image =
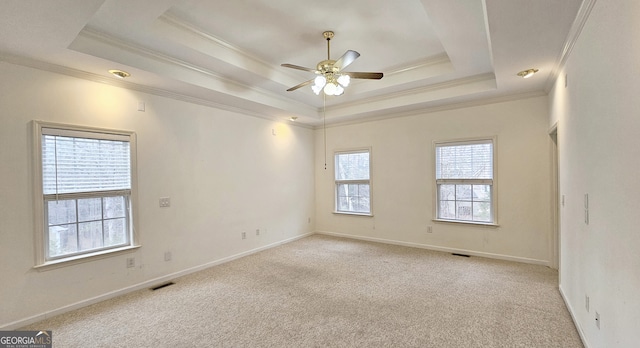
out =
column 323, row 291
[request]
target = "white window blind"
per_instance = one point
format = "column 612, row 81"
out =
column 468, row 161
column 76, row 165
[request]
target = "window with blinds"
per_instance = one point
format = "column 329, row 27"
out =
column 353, row 181
column 74, row 164
column 465, row 181
column 86, row 191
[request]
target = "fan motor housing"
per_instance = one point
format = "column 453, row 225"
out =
column 327, row 66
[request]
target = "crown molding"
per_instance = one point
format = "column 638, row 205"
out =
column 422, row 63
column 439, row 108
column 63, row 70
column 172, row 19
column 574, row 33
column 138, row 50
column 93, row 34
column 173, row 24
column 417, row 90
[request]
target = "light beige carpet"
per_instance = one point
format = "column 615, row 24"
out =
column 330, row 292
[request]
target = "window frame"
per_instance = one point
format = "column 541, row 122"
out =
column 492, row 182
column 41, row 237
column 338, row 182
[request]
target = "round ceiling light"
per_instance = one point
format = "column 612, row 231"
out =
column 527, row 73
column 119, row 73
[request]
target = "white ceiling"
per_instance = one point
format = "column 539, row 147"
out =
column 433, row 53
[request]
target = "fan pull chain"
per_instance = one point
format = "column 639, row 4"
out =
column 324, row 127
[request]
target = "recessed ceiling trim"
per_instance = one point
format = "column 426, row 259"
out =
column 462, row 29
column 172, row 25
column 487, row 31
column 572, row 37
column 437, row 108
column 62, row 70
column 416, row 96
column 95, row 43
column 430, row 69
column 91, row 34
column 175, row 20
column 423, row 63
column 488, row 77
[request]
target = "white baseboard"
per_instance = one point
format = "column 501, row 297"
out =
column 573, row 317
column 440, row 248
column 146, row 284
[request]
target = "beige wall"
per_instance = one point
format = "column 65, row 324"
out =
column 599, row 149
column 225, row 173
column 403, row 180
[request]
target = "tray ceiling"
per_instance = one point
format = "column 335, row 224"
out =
column 433, row 53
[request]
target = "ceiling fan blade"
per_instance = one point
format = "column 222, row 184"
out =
column 298, row 67
column 306, row 83
column 346, row 59
column 364, row 75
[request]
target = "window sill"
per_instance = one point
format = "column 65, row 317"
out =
column 475, row 223
column 49, row 265
column 351, row 213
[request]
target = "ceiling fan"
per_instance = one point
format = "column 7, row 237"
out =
column 331, row 79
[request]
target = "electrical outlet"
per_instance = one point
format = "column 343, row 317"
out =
column 308, row 220
column 257, row 231
column 165, row 202
column 586, row 302
column 598, row 320
column 244, row 235
column 167, row 256
column 429, row 229
column 131, row 262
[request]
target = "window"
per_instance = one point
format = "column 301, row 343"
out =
column 353, row 182
column 85, row 187
column 465, row 181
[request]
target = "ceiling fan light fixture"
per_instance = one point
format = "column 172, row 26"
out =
column 316, row 89
column 344, row 80
column 330, row 88
column 527, row 73
column 330, row 79
column 320, row 81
